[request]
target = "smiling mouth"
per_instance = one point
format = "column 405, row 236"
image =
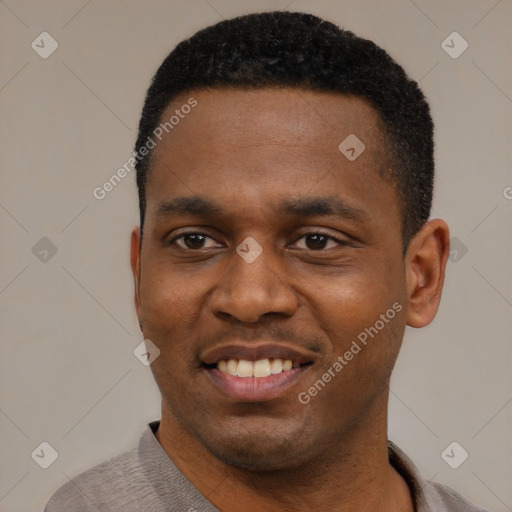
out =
column 258, row 372
column 259, row 369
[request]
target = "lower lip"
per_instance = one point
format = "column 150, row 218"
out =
column 255, row 389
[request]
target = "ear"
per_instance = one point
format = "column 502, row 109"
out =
column 135, row 250
column 426, row 259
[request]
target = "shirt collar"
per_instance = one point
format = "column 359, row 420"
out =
column 165, row 476
column 421, row 489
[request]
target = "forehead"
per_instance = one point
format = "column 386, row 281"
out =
column 261, row 143
column 316, row 120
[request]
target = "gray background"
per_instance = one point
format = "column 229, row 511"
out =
column 68, row 373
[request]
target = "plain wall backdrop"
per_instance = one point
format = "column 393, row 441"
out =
column 68, row 375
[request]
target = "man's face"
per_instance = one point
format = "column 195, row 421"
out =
column 262, row 165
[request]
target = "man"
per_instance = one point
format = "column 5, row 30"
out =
column 285, row 173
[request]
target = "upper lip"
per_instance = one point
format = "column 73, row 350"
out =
column 255, row 352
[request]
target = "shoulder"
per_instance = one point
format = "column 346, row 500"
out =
column 447, row 499
column 104, row 487
column 428, row 496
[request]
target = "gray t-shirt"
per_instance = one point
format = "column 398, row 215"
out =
column 145, row 479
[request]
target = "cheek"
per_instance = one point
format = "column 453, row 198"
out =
column 365, row 310
column 169, row 302
column 363, row 351
column 352, row 302
column 168, row 316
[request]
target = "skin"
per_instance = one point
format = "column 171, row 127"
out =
column 249, row 150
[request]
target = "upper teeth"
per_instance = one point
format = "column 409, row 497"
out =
column 260, row 368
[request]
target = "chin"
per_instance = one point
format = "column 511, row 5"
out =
column 256, row 460
column 264, row 451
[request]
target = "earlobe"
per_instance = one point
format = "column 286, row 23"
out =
column 135, row 254
column 425, row 270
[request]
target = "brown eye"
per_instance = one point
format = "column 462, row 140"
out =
column 193, row 241
column 316, row 241
column 319, row 241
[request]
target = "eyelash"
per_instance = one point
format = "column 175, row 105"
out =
column 326, row 235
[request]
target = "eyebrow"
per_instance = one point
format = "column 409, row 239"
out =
column 302, row 207
column 312, row 206
column 193, row 205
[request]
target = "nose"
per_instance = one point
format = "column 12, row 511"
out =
column 249, row 291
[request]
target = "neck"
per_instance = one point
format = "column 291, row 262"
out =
column 354, row 474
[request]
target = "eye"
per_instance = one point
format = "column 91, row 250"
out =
column 318, row 241
column 193, row 241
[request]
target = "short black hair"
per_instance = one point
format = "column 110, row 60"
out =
column 292, row 49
